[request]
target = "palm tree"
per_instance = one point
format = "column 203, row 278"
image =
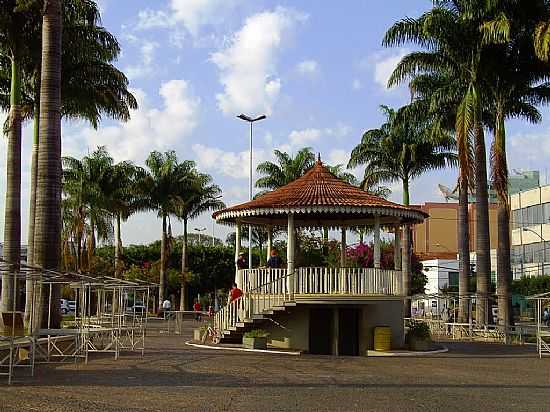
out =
column 91, row 85
column 202, row 196
column 121, row 201
column 89, row 189
column 403, row 148
column 286, row 170
column 519, row 82
column 452, row 36
column 163, row 187
column 16, row 26
column 47, row 237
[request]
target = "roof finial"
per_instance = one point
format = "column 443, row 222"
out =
column 319, row 157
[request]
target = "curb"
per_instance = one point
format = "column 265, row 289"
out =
column 375, row 354
column 275, row 352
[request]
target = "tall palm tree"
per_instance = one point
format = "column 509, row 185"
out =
column 286, row 170
column 404, row 147
column 451, row 34
column 16, row 26
column 163, row 187
column 47, row 237
column 519, row 82
column 202, row 196
column 91, row 86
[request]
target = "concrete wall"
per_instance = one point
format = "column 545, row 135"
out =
column 386, row 313
column 290, row 329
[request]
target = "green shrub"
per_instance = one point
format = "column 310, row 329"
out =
column 419, row 330
column 256, row 333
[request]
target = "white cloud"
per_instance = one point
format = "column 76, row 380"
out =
column 382, row 64
column 308, row 68
column 149, row 129
column 304, row 137
column 529, row 149
column 231, row 164
column 186, row 15
column 248, row 64
column 356, row 84
column 146, row 66
column 338, row 157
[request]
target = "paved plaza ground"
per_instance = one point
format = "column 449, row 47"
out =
column 176, row 377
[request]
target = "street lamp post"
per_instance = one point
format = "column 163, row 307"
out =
column 526, row 229
column 250, row 120
column 199, row 230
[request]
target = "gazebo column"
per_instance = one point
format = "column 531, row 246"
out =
column 344, row 246
column 238, row 277
column 377, row 241
column 269, row 241
column 397, row 249
column 290, row 250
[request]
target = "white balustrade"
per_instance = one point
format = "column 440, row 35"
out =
column 265, row 289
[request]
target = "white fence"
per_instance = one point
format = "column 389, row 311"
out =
column 265, row 289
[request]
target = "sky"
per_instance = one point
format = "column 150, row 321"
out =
column 316, row 69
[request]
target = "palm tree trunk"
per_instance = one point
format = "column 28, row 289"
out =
column 463, row 249
column 162, row 261
column 32, row 205
column 91, row 244
column 406, row 254
column 483, row 253
column 12, row 219
column 183, row 291
column 47, row 237
column 118, row 247
column 500, row 178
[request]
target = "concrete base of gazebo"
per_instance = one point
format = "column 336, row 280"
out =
column 336, row 329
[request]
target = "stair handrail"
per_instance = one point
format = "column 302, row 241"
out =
column 243, row 308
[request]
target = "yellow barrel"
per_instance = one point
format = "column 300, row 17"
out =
column 382, row 338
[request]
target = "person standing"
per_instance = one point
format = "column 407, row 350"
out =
column 197, row 308
column 166, row 307
column 241, row 262
column 274, row 261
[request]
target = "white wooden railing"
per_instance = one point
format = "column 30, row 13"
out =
column 265, row 289
column 348, row 281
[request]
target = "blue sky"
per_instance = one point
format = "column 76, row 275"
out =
column 317, row 69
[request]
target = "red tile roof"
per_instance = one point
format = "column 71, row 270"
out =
column 317, row 187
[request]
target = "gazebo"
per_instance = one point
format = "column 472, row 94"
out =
column 321, row 310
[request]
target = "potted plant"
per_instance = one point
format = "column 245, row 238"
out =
column 255, row 339
column 199, row 333
column 419, row 336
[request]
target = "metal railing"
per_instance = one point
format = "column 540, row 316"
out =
column 266, row 289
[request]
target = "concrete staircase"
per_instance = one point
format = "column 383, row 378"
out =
column 255, row 307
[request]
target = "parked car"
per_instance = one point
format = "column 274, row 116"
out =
column 64, row 306
column 138, row 309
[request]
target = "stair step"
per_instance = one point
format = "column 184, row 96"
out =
column 258, row 317
column 288, row 304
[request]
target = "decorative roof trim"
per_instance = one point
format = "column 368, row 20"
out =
column 377, row 210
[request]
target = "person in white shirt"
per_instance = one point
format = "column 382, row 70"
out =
column 166, row 306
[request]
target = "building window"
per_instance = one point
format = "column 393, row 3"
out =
column 517, row 255
column 546, row 212
column 516, row 218
column 453, row 280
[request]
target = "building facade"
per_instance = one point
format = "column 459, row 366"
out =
column 437, row 236
column 530, row 222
